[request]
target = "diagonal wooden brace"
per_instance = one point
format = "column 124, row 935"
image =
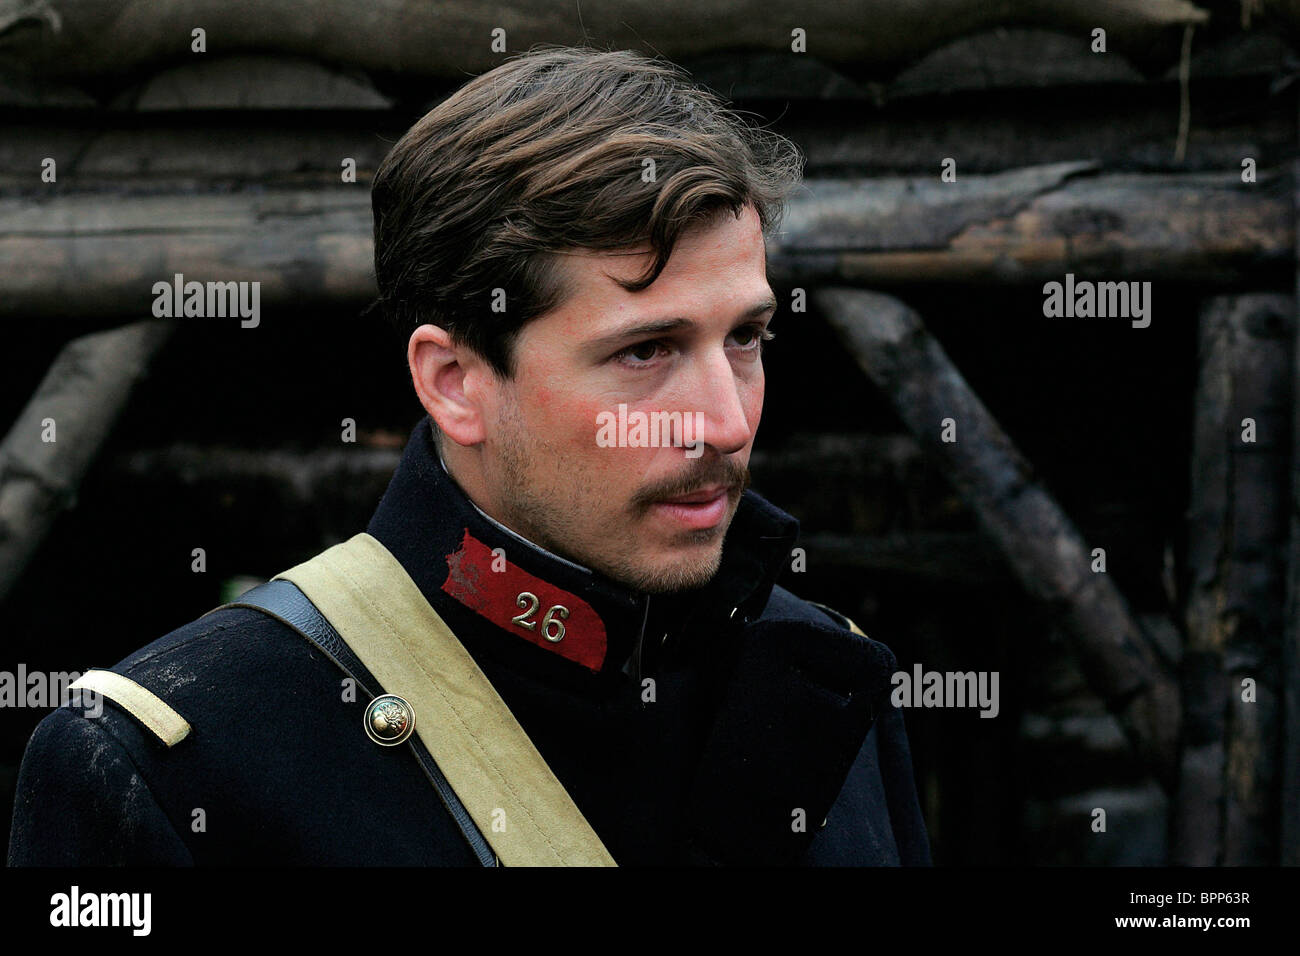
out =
column 1041, row 545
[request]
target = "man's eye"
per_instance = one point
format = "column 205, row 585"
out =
column 641, row 352
column 751, row 336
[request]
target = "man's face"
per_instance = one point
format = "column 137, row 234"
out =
column 632, row 492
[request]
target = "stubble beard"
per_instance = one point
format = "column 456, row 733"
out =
column 546, row 517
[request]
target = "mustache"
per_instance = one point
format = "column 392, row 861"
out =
column 718, row 471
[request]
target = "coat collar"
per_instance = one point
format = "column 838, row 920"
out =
column 456, row 553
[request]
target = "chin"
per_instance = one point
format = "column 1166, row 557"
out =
column 674, row 574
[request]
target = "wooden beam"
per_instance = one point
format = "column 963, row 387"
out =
column 1289, row 755
column 61, row 430
column 100, row 255
column 1225, row 812
column 1040, row 544
column 1033, row 225
column 110, row 37
column 89, row 255
column 1123, row 129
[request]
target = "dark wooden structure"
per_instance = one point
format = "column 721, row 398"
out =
column 956, row 165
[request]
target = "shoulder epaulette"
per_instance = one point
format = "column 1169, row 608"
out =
column 140, row 702
column 842, row 619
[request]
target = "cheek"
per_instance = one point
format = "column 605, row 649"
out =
column 571, row 420
column 752, row 399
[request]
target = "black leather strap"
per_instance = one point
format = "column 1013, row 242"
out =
column 285, row 602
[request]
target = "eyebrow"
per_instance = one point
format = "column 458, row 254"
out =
column 661, row 326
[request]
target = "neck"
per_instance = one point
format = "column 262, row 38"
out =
column 477, row 499
column 465, row 467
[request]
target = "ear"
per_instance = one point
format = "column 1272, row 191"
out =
column 440, row 372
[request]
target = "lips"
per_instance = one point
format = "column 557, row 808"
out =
column 703, row 496
column 697, row 511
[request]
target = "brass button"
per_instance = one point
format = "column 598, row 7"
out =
column 389, row 720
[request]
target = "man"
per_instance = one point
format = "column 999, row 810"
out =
column 573, row 246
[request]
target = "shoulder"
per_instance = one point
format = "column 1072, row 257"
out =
column 81, row 800
column 215, row 671
column 209, row 691
column 836, row 634
column 228, row 711
column 784, row 605
column 236, row 641
column 234, row 651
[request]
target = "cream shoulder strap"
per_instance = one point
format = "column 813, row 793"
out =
column 518, row 804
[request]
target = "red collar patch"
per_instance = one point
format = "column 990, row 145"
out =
column 524, row 604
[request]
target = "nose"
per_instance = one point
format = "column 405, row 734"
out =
column 719, row 396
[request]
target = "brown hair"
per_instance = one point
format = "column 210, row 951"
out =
column 544, row 154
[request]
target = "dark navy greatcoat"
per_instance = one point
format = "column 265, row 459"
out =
column 770, row 738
